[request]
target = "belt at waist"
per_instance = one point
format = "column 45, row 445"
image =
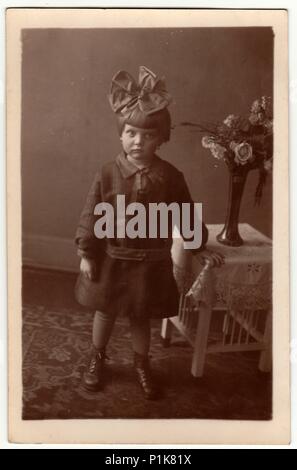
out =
column 137, row 254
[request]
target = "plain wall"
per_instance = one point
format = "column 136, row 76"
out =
column 68, row 128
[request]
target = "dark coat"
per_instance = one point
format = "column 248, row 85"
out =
column 134, row 276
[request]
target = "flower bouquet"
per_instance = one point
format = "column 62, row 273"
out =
column 244, row 143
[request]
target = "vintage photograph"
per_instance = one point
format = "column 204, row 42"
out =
column 147, row 171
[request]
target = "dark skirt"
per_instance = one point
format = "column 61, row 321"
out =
column 131, row 288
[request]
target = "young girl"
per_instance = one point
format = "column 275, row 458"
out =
column 131, row 276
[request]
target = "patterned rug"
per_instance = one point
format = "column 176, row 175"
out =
column 56, row 348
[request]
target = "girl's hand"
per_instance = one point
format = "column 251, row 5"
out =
column 88, row 268
column 214, row 259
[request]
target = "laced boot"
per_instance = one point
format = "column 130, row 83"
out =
column 144, row 376
column 93, row 375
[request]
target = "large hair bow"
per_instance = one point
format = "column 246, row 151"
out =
column 149, row 94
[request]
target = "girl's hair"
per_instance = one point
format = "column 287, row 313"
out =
column 160, row 120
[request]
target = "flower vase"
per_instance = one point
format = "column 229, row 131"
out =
column 230, row 234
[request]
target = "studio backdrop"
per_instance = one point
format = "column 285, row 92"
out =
column 69, row 131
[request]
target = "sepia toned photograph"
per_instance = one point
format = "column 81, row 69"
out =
column 145, row 177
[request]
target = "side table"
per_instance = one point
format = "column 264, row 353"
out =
column 242, row 287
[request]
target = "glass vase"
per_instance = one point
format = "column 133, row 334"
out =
column 230, row 233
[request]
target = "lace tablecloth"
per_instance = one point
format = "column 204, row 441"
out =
column 243, row 282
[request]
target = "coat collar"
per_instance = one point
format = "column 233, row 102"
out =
column 154, row 170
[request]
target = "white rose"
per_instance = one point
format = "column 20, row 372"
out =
column 218, row 151
column 243, row 153
column 231, row 120
column 256, row 106
column 207, row 141
column 254, row 119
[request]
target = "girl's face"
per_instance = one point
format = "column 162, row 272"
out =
column 140, row 144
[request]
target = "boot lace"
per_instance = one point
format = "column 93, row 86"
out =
column 94, row 361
